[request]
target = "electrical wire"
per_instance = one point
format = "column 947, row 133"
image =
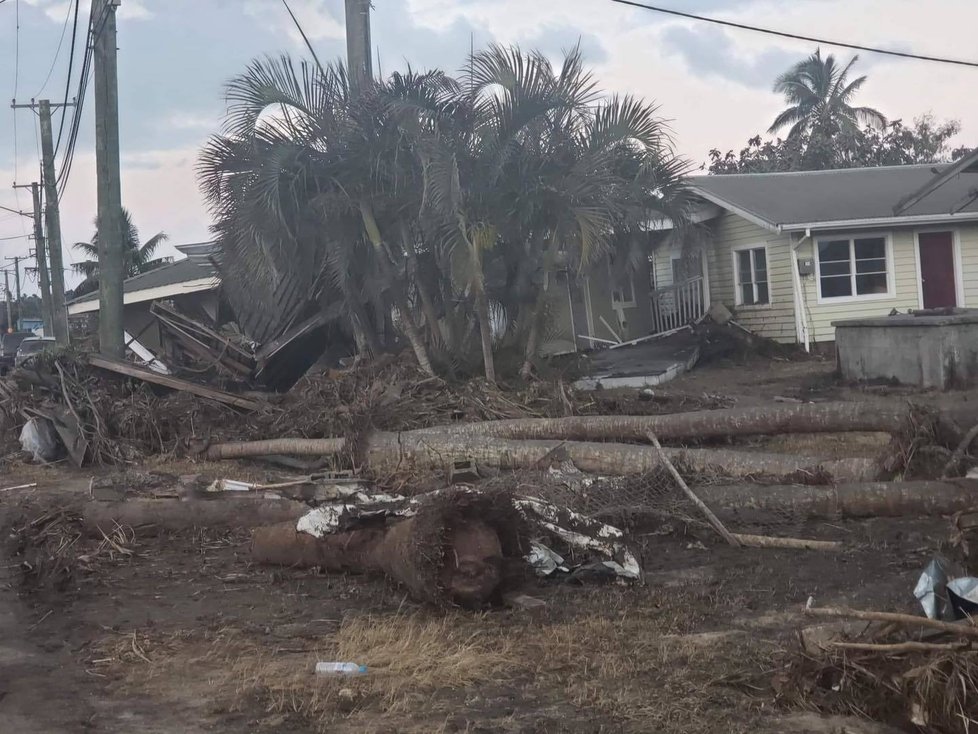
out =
column 71, row 61
column 16, row 78
column 65, row 171
column 14, row 110
column 797, row 36
column 57, row 53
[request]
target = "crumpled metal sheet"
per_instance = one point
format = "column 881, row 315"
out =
column 931, row 589
column 580, row 533
column 945, row 598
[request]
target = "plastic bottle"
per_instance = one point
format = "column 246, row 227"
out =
column 340, row 669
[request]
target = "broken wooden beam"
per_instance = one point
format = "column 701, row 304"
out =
column 173, row 383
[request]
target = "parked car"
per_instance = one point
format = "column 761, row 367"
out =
column 8, row 348
column 31, row 347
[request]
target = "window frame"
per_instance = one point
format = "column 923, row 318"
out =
column 738, row 297
column 627, row 289
column 887, row 238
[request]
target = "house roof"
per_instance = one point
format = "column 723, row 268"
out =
column 849, row 198
column 183, row 276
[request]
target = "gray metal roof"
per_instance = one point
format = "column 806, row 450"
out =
column 181, row 271
column 847, row 196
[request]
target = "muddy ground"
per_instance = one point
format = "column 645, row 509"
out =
column 181, row 633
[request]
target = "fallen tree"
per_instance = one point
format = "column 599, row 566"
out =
column 703, row 424
column 861, row 499
column 386, row 452
column 459, row 548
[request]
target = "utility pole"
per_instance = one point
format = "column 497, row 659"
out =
column 16, row 275
column 40, row 255
column 53, row 217
column 17, row 260
column 110, row 236
column 358, row 43
column 6, row 288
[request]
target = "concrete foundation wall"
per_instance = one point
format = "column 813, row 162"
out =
column 931, row 352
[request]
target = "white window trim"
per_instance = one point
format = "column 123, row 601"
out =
column 738, row 300
column 958, row 272
column 890, row 275
column 615, row 303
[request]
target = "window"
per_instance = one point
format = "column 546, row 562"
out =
column 851, row 267
column 752, row 286
column 622, row 286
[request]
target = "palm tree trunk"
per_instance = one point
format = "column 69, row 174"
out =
column 414, row 337
column 485, row 328
column 533, row 338
column 427, row 305
column 407, row 318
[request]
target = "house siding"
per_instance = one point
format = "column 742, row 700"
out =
column 777, row 319
column 903, row 270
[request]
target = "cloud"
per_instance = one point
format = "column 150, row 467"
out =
column 190, row 120
column 321, row 20
column 134, row 10
column 710, row 51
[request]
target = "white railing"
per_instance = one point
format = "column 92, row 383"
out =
column 678, row 305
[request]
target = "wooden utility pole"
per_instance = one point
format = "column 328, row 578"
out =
column 110, row 236
column 6, row 288
column 16, row 260
column 358, row 43
column 52, row 216
column 40, row 253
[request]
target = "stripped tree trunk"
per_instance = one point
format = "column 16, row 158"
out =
column 809, row 418
column 389, row 451
column 863, row 499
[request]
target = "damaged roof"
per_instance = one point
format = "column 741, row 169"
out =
column 183, row 276
column 849, row 197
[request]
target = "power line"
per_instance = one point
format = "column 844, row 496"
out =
column 57, row 53
column 65, row 172
column 71, row 62
column 798, row 37
column 16, row 78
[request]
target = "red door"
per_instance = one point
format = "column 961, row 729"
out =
column 937, row 269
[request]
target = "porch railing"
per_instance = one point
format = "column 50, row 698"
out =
column 677, row 305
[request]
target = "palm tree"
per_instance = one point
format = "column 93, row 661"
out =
column 820, row 94
column 139, row 258
column 423, row 203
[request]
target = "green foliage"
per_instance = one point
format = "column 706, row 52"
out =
column 926, row 141
column 427, row 207
column 139, row 258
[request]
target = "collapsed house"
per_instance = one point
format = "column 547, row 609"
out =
column 180, row 314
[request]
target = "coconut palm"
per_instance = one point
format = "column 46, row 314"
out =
column 139, row 258
column 819, row 93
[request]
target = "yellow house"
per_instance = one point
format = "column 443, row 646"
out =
column 789, row 253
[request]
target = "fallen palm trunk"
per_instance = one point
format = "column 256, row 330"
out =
column 457, row 548
column 768, row 541
column 148, row 516
column 862, row 499
column 292, row 446
column 772, row 420
column 387, row 452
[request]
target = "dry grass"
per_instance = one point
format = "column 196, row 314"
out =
column 612, row 661
column 936, row 691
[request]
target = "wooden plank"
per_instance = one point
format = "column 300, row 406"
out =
column 174, row 383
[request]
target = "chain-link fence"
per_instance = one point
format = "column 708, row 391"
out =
column 656, row 502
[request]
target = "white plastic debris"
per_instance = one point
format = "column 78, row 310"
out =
column 39, row 439
column 544, row 561
column 340, row 669
column 931, row 589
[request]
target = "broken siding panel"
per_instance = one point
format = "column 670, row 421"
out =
column 775, row 320
column 902, row 269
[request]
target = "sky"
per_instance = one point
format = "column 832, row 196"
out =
column 712, row 84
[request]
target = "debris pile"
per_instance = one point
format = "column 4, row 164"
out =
column 900, row 669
